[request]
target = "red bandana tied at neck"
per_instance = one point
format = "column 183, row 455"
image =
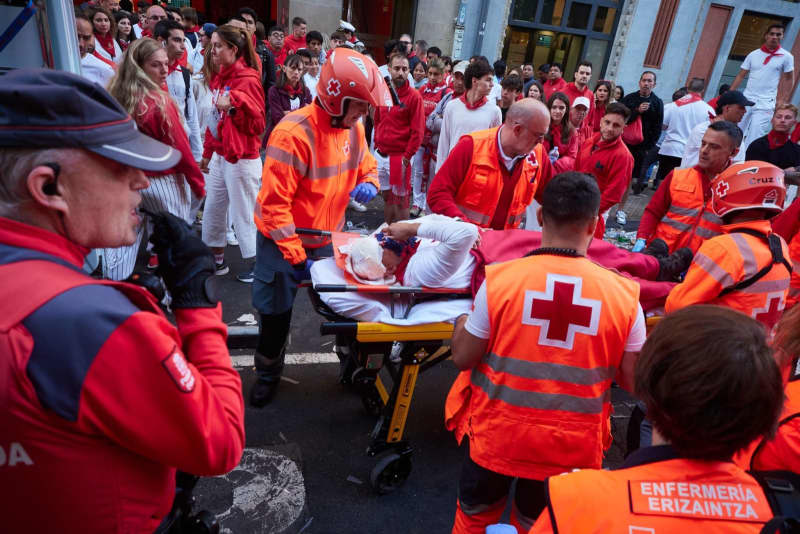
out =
column 688, row 99
column 770, row 53
column 777, row 139
column 474, row 106
column 107, row 42
column 294, row 92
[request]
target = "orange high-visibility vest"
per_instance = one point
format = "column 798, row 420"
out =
column 540, row 398
column 782, row 452
column 689, row 220
column 794, row 283
column 727, row 260
column 676, row 495
column 309, row 171
column 480, row 191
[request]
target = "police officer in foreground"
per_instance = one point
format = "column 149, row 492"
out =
column 102, row 398
column 710, row 392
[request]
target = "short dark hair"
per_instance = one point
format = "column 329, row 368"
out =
column 619, row 108
column 696, row 85
column 584, row 63
column 142, row 4
column 680, row 93
column 297, row 21
column 303, row 53
column 723, row 89
column 715, row 388
column 731, row 129
column 544, row 67
column 556, row 64
column 780, row 25
column 190, row 14
column 477, row 69
column 390, row 47
column 570, row 197
column 314, row 35
column 276, row 28
column 163, row 28
column 479, row 58
column 83, row 15
column 248, row 11
column 237, row 17
column 339, row 36
column 499, row 68
column 435, row 50
column 512, row 82
column 649, row 72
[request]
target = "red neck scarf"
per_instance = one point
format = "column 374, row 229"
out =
column 400, row 271
column 688, row 99
column 172, row 67
column 107, row 42
column 294, row 92
column 777, row 139
column 770, row 53
column 104, row 60
column 196, row 28
column 474, row 106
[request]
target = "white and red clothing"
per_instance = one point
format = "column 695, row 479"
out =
column 567, row 151
column 689, row 111
column 96, row 70
column 461, row 118
column 278, row 55
column 765, row 69
column 425, row 157
column 108, row 47
column 572, row 92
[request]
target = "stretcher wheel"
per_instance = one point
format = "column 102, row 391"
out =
column 390, row 472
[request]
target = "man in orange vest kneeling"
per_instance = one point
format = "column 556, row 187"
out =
column 547, row 336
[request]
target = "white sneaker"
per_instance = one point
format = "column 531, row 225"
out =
column 232, row 241
column 358, row 206
column 622, row 217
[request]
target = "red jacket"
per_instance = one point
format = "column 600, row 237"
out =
column 445, row 185
column 551, row 87
column 399, row 130
column 239, row 132
column 103, row 398
column 594, row 116
column 169, row 130
column 572, row 91
column 293, row 43
column 567, row 152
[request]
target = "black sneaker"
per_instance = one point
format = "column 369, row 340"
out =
column 677, row 263
column 658, row 248
column 246, row 277
column 221, row 268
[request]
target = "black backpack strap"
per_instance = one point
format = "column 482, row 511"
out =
column 775, row 248
column 187, row 82
column 782, row 489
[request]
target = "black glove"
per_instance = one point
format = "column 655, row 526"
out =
column 184, row 262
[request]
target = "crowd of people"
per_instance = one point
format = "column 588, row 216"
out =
column 255, row 131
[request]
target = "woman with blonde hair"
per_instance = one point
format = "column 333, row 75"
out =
column 140, row 87
column 232, row 142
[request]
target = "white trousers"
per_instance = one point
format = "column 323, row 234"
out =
column 757, row 122
column 417, row 175
column 234, row 186
column 170, row 193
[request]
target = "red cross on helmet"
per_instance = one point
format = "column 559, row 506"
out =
column 350, row 75
column 748, row 185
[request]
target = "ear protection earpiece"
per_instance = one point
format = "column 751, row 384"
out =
column 51, row 188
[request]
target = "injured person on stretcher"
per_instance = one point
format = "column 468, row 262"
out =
column 436, row 251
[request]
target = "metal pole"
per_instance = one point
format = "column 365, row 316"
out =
column 63, row 37
column 481, row 28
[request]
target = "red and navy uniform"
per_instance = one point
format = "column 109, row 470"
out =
column 102, row 398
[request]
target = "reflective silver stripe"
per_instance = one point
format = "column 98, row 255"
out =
column 680, row 210
column 749, row 263
column 282, row 233
column 712, row 218
column 714, row 271
column 683, row 227
column 537, row 399
column 767, row 286
column 513, row 219
column 473, row 215
column 706, row 233
column 302, row 121
column 279, row 154
column 549, row 370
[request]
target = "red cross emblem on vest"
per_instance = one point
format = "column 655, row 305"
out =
column 560, row 311
column 334, row 87
column 722, row 189
column 772, row 310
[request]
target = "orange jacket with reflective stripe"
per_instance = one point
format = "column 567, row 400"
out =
column 794, row 283
column 726, row 260
column 689, row 220
column 540, row 398
column 783, row 451
column 309, row 171
column 676, row 495
column 480, row 191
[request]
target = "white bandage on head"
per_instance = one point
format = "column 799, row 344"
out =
column 366, row 259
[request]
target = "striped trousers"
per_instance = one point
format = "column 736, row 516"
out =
column 169, row 193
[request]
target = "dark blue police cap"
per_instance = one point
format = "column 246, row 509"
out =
column 56, row 109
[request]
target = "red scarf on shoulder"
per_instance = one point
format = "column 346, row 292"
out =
column 107, row 42
column 690, row 98
column 777, row 139
column 474, row 106
column 770, row 53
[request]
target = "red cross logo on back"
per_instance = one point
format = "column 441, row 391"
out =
column 772, row 310
column 561, row 312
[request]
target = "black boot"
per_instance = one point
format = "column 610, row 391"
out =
column 671, row 267
column 658, row 248
column 269, row 377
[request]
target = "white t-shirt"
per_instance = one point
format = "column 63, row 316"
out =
column 679, row 122
column 311, row 82
column 762, row 80
column 96, row 70
column 691, row 153
column 478, row 322
column 496, row 93
column 458, row 121
column 191, row 123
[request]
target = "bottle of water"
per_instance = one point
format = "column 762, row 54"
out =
column 553, row 154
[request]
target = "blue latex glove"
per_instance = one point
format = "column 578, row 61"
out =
column 363, row 192
column 639, row 245
column 302, row 271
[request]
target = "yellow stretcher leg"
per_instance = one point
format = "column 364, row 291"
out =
column 381, row 390
column 402, row 403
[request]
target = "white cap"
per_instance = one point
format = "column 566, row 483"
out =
column 344, row 25
column 582, row 101
column 461, row 67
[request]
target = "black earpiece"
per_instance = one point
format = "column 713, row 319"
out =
column 50, row 189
